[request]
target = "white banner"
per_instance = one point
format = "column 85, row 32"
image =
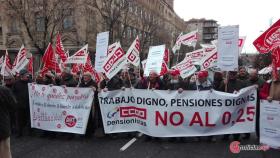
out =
column 228, row 48
column 114, row 62
column 170, row 114
column 270, row 123
column 154, row 60
column 59, row 109
column 102, row 41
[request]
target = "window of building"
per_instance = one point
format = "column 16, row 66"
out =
column 130, row 7
column 135, row 10
column 68, row 22
column 14, row 26
column 1, row 33
column 134, row 32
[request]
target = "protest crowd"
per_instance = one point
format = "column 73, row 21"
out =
column 15, row 108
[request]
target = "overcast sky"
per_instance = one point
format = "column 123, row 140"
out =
column 252, row 16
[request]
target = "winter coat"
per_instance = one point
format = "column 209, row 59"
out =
column 7, row 105
column 20, row 91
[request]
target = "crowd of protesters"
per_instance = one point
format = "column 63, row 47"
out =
column 15, row 113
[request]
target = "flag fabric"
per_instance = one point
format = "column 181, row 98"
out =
column 166, row 56
column 112, row 47
column 6, row 66
column 164, row 69
column 80, row 57
column 186, row 68
column 209, row 60
column 177, row 44
column 189, row 39
column 50, row 61
column 132, row 54
column 1, row 61
column 114, row 62
column 59, row 50
column 76, row 68
column 30, row 65
column 89, row 68
column 241, row 42
column 269, row 40
column 275, row 62
column 20, row 61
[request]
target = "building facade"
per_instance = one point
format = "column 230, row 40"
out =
column 149, row 19
column 207, row 29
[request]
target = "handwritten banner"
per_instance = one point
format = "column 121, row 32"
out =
column 60, row 109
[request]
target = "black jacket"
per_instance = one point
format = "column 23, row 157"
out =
column 20, row 91
column 91, row 83
column 7, row 105
column 114, row 83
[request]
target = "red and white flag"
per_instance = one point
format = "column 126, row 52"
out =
column 6, row 66
column 1, row 61
column 76, row 68
column 50, row 61
column 112, row 47
column 196, row 55
column 189, row 39
column 114, row 62
column 80, row 57
column 59, row 50
column 30, row 66
column 166, row 56
column 185, row 67
column 177, row 44
column 132, row 54
column 89, row 68
column 269, row 40
column 164, row 69
column 209, row 60
column 241, row 42
column 275, row 61
column 20, row 61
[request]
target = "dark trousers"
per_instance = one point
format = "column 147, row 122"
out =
column 22, row 121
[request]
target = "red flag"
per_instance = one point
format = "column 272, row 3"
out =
column 49, row 60
column 59, row 48
column 44, row 70
column 269, row 39
column 164, row 69
column 76, row 68
column 166, row 55
column 30, row 66
column 89, row 68
column 275, row 61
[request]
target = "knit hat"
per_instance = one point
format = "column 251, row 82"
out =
column 202, row 74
